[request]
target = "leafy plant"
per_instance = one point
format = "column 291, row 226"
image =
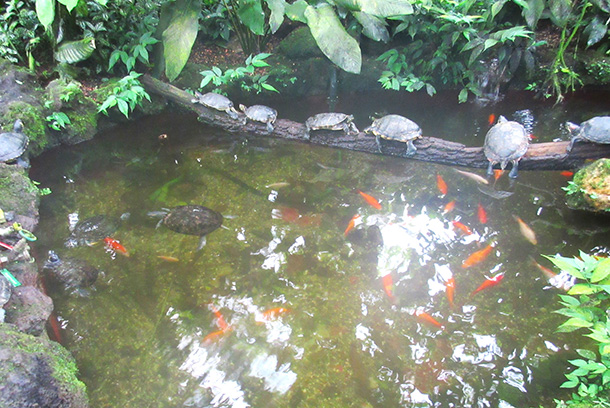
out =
column 126, row 95
column 587, row 306
column 257, row 82
column 58, row 120
column 19, row 32
column 129, row 54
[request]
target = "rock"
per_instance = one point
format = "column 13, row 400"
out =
column 37, row 373
column 19, row 194
column 29, row 309
column 300, row 44
column 590, row 188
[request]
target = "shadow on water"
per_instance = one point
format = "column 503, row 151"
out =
column 312, row 295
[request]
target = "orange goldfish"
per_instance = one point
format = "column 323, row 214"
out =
column 370, row 200
column 449, row 207
column 220, row 320
column 425, row 317
column 168, row 258
column 498, row 173
column 526, row 231
column 450, row 290
column 274, row 313
column 440, row 183
column 567, row 173
column 532, row 137
column 116, row 246
column 462, row 227
column 215, row 336
column 388, row 285
column 549, row 274
column 351, row 224
column 489, row 282
column 482, row 214
column 477, row 256
column 491, row 119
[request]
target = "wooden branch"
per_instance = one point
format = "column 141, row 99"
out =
column 540, row 156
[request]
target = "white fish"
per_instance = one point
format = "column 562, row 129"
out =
column 280, row 184
column 472, row 176
column 526, row 231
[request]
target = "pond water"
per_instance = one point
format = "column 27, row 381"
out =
column 282, row 307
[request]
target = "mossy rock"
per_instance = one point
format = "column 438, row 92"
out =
column 299, row 44
column 590, row 188
column 17, row 192
column 34, row 124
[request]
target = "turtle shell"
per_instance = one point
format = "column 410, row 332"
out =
column 193, row 220
column 92, row 230
column 596, row 130
column 330, row 121
column 505, row 141
column 214, row 100
column 71, row 272
column 13, row 144
column 395, row 127
column 261, row 113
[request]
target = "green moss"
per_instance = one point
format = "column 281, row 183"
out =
column 34, row 124
column 590, row 188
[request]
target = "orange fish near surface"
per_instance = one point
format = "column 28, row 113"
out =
column 388, row 286
column 477, row 257
column 116, row 246
column 567, row 173
column 462, row 227
column 482, row 214
column 549, row 274
column 274, row 313
column 220, row 320
column 449, row 207
column 440, row 183
column 370, row 200
column 489, row 282
column 425, row 317
column 351, row 224
column 498, row 173
column 215, row 336
column 491, row 119
column 450, row 290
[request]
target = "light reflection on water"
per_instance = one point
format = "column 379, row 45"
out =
column 347, row 337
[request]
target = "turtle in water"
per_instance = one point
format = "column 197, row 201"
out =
column 397, row 128
column 92, row 230
column 191, row 220
column 70, row 272
column 216, row 101
column 331, row 121
column 506, row 141
column 596, row 130
column 13, row 145
column 260, row 113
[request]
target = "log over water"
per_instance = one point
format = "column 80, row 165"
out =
column 540, row 156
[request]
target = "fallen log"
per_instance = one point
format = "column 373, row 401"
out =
column 540, row 156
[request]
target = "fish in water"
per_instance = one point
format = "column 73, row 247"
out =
column 462, row 227
column 274, row 313
column 498, row 173
column 425, row 317
column 549, row 274
column 370, row 200
column 168, row 258
column 351, row 224
column 526, row 231
column 292, row 215
column 449, row 207
column 489, row 282
column 491, row 119
column 388, row 286
column 441, row 185
column 450, row 290
column 214, row 336
column 114, row 245
column 220, row 320
column 278, row 185
column 472, row 176
column 477, row 256
column 567, row 173
column 482, row 214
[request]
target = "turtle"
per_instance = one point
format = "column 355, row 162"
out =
column 331, row 121
column 190, row 219
column 596, row 130
column 506, row 141
column 216, row 101
column 260, row 113
column 70, row 272
column 397, row 128
column 92, row 230
column 13, row 145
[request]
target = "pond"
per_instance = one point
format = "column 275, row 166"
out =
column 285, row 306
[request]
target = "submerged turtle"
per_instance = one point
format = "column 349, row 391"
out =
column 71, row 272
column 260, row 113
column 395, row 127
column 13, row 145
column 216, row 101
column 190, row 220
column 331, row 121
column 92, row 230
column 506, row 141
column 596, row 130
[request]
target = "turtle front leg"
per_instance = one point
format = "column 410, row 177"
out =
column 269, row 127
column 411, row 149
column 490, row 168
column 378, row 141
column 571, row 145
column 513, row 172
column 202, row 243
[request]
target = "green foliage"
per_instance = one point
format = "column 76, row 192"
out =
column 126, row 95
column 587, row 306
column 131, row 53
column 214, row 21
column 41, row 191
column 255, row 81
column 58, row 120
column 179, row 22
column 19, row 32
column 71, row 52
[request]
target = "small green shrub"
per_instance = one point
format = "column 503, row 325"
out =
column 256, row 81
column 126, row 95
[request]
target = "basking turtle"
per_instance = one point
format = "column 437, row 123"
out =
column 260, row 113
column 216, row 101
column 92, row 230
column 13, row 145
column 71, row 272
column 506, row 141
column 596, row 130
column 331, row 121
column 397, row 128
column 190, row 220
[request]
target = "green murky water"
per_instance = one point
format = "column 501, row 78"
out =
column 149, row 332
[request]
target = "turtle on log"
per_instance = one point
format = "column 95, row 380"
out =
column 596, row 130
column 506, row 141
column 397, row 128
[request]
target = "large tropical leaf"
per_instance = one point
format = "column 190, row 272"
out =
column 251, row 14
column 45, row 10
column 532, row 12
column 379, row 8
column 373, row 27
column 277, row 7
column 71, row 52
column 70, row 4
column 296, row 11
column 560, row 11
column 179, row 36
column 332, row 39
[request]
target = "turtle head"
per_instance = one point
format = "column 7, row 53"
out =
column 242, row 107
column 502, row 119
column 18, row 126
column 573, row 128
column 53, row 260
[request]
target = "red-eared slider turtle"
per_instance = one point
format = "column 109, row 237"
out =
column 190, row 220
column 70, row 272
column 331, row 121
column 506, row 141
column 596, row 130
column 216, row 101
column 397, row 128
column 92, row 230
column 260, row 113
column 13, row 145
